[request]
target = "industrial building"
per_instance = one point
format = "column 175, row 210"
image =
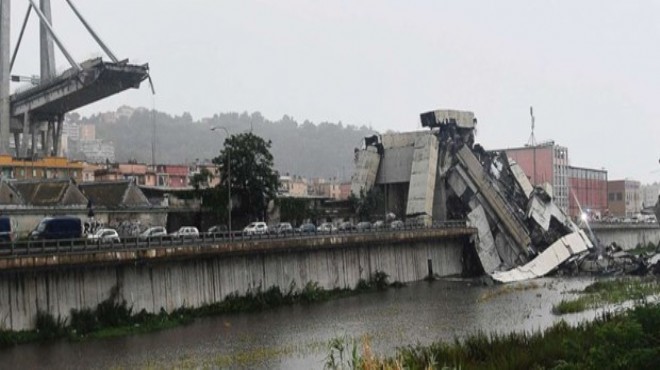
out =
column 623, row 197
column 545, row 162
column 589, row 186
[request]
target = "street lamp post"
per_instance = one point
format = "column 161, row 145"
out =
column 229, row 206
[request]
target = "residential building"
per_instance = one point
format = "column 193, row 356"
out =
column 44, row 168
column 545, row 162
column 623, row 197
column 213, row 169
column 589, row 186
column 344, row 190
column 97, row 151
column 87, row 132
column 88, row 171
column 294, row 186
column 139, row 173
column 172, row 175
column 649, row 194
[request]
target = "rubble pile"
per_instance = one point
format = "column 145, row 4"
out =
column 522, row 233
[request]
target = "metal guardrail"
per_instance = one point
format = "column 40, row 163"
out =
column 84, row 245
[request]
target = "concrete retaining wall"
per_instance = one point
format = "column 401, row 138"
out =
column 627, row 236
column 194, row 282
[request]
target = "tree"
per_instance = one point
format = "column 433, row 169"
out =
column 201, row 180
column 253, row 181
column 366, row 204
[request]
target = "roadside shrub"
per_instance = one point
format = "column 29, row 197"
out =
column 48, row 327
column 110, row 313
column 380, row 280
column 83, row 321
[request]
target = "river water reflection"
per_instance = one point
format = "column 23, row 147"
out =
column 297, row 336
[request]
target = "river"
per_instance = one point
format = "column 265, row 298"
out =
column 296, row 337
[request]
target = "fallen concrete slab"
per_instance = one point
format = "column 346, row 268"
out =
column 560, row 251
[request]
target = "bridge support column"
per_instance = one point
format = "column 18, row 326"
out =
column 57, row 136
column 5, row 16
column 49, row 138
column 42, row 138
column 17, row 143
column 26, row 134
column 34, row 141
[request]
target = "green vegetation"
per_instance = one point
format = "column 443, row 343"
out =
column 367, row 205
column 649, row 248
column 609, row 292
column 113, row 317
column 253, row 180
column 629, row 340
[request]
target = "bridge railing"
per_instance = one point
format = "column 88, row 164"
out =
column 83, row 245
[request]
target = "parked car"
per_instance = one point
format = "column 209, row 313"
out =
column 154, row 232
column 307, row 228
column 186, row 232
column 63, row 227
column 105, row 236
column 7, row 229
column 363, row 226
column 218, row 231
column 378, row 225
column 256, row 228
column 327, row 227
column 283, row 228
column 346, row 226
column 397, row 225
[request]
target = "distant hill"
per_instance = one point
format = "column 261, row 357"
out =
column 307, row 149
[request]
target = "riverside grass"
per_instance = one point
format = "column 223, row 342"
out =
column 624, row 340
column 113, row 317
column 614, row 291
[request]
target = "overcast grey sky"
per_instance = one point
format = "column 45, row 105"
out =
column 589, row 68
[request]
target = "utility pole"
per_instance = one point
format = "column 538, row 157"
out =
column 5, row 13
column 229, row 205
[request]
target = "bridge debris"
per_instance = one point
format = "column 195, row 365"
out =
column 441, row 173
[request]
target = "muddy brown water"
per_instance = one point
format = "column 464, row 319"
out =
column 296, row 337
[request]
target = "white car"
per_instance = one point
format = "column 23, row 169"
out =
column 105, row 236
column 153, row 233
column 327, row 227
column 186, row 232
column 256, row 228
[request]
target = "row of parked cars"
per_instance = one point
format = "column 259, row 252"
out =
column 284, row 228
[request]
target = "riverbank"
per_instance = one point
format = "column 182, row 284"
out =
column 114, row 318
column 614, row 340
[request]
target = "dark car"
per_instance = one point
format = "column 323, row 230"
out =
column 58, row 228
column 283, row 228
column 307, row 228
column 346, row 226
column 363, row 226
column 218, row 231
column 7, row 229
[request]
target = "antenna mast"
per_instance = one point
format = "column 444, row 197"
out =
column 532, row 139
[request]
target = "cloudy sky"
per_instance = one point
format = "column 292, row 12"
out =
column 591, row 69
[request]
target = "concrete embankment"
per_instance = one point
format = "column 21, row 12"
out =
column 627, row 236
column 189, row 275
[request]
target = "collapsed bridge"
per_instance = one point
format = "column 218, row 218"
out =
column 442, row 174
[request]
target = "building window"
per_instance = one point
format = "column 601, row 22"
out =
column 75, row 174
column 619, row 196
column 34, row 173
